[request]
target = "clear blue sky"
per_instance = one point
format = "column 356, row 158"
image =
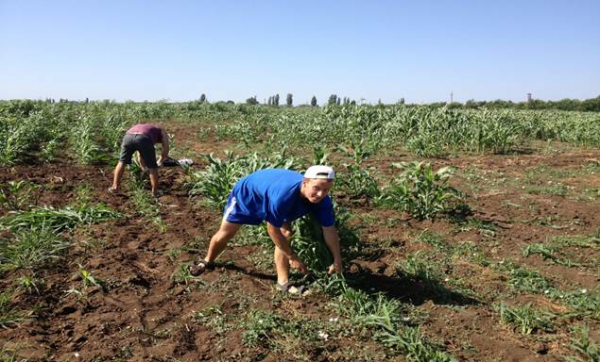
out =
column 231, row 50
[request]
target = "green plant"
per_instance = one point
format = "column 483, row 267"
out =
column 420, row 191
column 28, row 284
column 18, row 195
column 356, row 180
column 525, row 319
column 31, row 249
column 57, row 219
column 309, row 244
column 216, row 181
column 530, row 281
column 585, row 347
column 548, row 252
column 85, row 149
column 9, row 317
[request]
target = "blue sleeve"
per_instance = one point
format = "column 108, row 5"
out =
column 323, row 211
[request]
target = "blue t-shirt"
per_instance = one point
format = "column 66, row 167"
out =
column 273, row 195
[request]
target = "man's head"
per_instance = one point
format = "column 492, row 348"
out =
column 317, row 182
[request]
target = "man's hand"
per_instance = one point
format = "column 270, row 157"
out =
column 334, row 268
column 297, row 264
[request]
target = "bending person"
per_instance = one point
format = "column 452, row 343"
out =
column 142, row 138
column 278, row 197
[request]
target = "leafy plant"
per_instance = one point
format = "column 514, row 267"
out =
column 585, row 347
column 9, row 317
column 31, row 249
column 57, row 219
column 356, row 180
column 18, row 195
column 525, row 319
column 422, row 192
column 217, row 180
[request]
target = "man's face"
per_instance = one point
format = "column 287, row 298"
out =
column 314, row 190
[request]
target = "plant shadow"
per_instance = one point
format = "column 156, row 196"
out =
column 411, row 290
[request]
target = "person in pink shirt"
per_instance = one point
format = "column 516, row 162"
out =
column 142, row 138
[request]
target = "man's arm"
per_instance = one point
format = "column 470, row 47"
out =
column 165, row 146
column 284, row 245
column 333, row 243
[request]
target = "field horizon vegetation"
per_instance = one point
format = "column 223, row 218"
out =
column 470, row 232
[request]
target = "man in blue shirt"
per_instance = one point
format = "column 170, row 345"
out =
column 278, row 197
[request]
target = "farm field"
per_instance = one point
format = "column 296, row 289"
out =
column 487, row 250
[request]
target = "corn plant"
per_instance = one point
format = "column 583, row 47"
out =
column 18, row 195
column 310, row 246
column 356, row 180
column 14, row 140
column 82, row 140
column 422, row 192
column 217, row 180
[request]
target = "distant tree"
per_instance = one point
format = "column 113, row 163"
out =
column 270, row 101
column 313, row 101
column 289, row 101
column 332, row 99
column 276, row 100
column 338, row 101
column 401, row 101
column 203, row 98
column 252, row 101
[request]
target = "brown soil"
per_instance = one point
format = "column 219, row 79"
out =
column 144, row 315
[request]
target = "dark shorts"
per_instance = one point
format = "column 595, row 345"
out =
column 141, row 143
column 233, row 213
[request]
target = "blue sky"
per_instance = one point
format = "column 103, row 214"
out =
column 231, row 50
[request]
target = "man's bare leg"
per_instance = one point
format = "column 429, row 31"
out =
column 282, row 262
column 219, row 241
column 118, row 176
column 153, row 172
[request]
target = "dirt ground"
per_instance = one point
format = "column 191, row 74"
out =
column 146, row 314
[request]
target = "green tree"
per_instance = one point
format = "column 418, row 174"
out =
column 313, row 101
column 252, row 101
column 332, row 99
column 289, row 101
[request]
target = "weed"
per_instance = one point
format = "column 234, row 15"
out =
column 9, row 317
column 525, row 319
column 529, row 281
column 434, row 239
column 57, row 219
column 18, row 195
column 548, row 252
column 31, row 249
column 88, row 280
column 183, row 275
column 585, row 347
